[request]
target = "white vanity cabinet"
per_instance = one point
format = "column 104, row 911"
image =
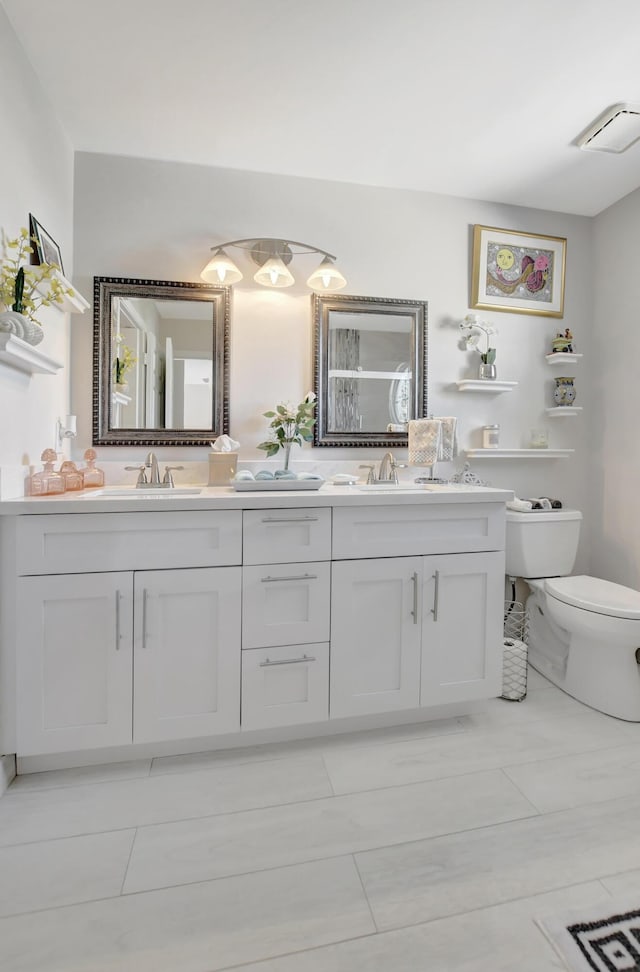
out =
column 108, row 657
column 148, row 627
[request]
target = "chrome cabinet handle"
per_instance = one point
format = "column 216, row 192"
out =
column 414, row 611
column 436, row 592
column 145, row 612
column 292, row 577
column 118, row 634
column 290, row 519
column 286, row 661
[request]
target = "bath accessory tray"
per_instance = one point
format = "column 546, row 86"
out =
column 275, row 485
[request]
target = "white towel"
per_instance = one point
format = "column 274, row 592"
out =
column 448, row 443
column 425, row 436
column 521, row 506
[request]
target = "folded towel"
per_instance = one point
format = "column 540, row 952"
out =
column 285, row 474
column 521, row 506
column 449, row 443
column 264, row 474
column 243, row 475
column 544, row 503
column 425, row 436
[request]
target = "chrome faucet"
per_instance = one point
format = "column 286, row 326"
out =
column 153, row 480
column 387, row 472
column 151, row 463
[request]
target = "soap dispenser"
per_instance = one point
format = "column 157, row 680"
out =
column 91, row 476
column 72, row 478
column 48, row 481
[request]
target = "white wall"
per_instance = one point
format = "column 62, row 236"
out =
column 36, row 175
column 158, row 220
column 613, row 454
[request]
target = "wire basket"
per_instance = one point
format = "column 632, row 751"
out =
column 514, row 657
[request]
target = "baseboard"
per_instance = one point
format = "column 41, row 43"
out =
column 7, row 772
column 256, row 737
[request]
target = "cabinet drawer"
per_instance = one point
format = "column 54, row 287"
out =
column 285, row 686
column 285, row 604
column 75, row 543
column 286, row 536
column 402, row 531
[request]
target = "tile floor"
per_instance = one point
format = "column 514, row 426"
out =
column 430, row 847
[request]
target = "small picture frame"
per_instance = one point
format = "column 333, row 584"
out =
column 517, row 272
column 46, row 248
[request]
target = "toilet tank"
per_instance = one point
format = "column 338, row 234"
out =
column 542, row 543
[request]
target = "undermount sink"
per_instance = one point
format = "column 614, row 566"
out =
column 133, row 493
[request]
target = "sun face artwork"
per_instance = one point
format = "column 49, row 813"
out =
column 518, row 272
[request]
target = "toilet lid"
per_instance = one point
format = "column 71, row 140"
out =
column 594, row 594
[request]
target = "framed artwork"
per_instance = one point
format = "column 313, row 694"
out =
column 518, row 272
column 46, row 248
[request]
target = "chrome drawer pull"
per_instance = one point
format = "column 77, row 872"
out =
column 291, row 519
column 271, row 580
column 436, row 591
column 286, row 661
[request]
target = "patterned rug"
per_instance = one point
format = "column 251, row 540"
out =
column 604, row 939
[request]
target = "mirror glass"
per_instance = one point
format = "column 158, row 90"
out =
column 370, row 369
column 161, row 362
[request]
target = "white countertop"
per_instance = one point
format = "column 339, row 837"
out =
column 225, row 497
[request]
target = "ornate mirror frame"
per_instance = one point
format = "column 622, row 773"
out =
column 322, row 309
column 104, row 290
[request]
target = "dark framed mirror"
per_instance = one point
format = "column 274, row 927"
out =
column 370, row 369
column 160, row 362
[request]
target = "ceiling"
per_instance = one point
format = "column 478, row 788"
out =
column 459, row 97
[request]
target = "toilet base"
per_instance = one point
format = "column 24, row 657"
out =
column 604, row 677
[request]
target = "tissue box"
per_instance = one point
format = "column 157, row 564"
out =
column 222, row 468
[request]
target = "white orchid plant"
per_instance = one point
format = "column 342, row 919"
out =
column 290, row 424
column 473, row 329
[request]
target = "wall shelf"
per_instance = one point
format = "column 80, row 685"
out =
column 72, row 305
column 485, row 385
column 562, row 357
column 24, row 357
column 562, row 411
column 518, row 453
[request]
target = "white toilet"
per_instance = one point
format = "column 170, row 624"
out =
column 584, row 633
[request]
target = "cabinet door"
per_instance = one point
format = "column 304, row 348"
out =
column 187, row 653
column 462, row 601
column 375, row 636
column 74, row 662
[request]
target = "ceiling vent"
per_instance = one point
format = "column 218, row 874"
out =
column 614, row 131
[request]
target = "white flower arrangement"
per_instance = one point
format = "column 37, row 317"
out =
column 474, row 329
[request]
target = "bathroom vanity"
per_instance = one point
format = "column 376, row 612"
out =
column 135, row 625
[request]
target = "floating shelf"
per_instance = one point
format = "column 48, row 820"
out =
column 24, row 357
column 486, row 385
column 562, row 357
column 518, row 453
column 560, row 411
column 72, row 305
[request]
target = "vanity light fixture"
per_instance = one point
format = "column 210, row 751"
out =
column 273, row 256
column 615, row 130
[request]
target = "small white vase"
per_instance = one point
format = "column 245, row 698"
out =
column 15, row 323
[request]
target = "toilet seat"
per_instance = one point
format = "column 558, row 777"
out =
column 595, row 595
